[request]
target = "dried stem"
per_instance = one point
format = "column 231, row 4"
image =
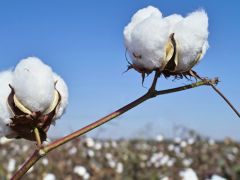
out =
column 226, row 100
column 37, row 137
column 42, row 151
column 27, row 165
column 222, row 95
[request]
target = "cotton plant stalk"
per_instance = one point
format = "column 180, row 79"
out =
column 32, row 98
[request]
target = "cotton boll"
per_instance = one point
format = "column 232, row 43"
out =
column 5, row 114
column 146, row 12
column 11, row 165
column 217, row 177
column 49, row 176
column 80, row 170
column 147, row 47
column 33, row 83
column 144, row 39
column 173, row 44
column 36, row 97
column 63, row 90
column 5, row 80
column 191, row 35
column 172, row 20
column 188, row 174
column 138, row 17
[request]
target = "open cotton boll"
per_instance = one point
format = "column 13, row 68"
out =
column 146, row 12
column 37, row 96
column 172, row 20
column 188, row 174
column 138, row 17
column 63, row 90
column 191, row 35
column 5, row 114
column 147, row 46
column 33, row 83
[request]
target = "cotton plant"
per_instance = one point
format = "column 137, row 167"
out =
column 171, row 45
column 32, row 96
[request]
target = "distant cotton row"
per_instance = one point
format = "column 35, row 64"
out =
column 172, row 44
column 31, row 88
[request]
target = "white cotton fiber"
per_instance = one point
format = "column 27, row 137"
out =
column 5, row 114
column 138, row 17
column 148, row 41
column 191, row 35
column 188, row 174
column 147, row 35
column 145, row 38
column 172, row 20
column 33, row 83
column 63, row 90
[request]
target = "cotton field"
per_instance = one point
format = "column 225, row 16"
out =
column 186, row 157
column 88, row 63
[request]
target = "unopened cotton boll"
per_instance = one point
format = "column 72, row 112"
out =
column 191, row 35
column 33, row 83
column 5, row 113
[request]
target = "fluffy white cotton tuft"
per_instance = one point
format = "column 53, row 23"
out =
column 145, row 38
column 188, row 174
column 33, row 83
column 148, row 41
column 172, row 20
column 191, row 35
column 5, row 114
column 63, row 90
column 147, row 35
column 146, row 12
column 138, row 17
column 217, row 177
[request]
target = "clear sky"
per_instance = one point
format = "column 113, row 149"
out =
column 83, row 42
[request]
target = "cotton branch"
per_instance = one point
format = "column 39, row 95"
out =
column 44, row 150
column 213, row 85
column 225, row 99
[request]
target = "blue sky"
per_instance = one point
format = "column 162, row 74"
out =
column 83, row 42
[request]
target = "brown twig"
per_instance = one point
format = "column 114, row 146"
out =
column 226, row 100
column 37, row 137
column 222, row 95
column 27, row 165
column 150, row 94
